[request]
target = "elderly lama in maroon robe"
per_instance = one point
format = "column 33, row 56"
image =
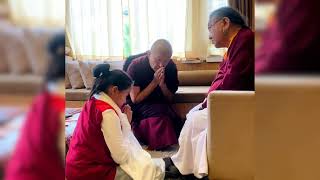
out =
column 236, row 72
column 155, row 78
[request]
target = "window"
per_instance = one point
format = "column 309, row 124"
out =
column 94, row 28
column 114, row 28
column 38, row 12
column 213, row 5
column 107, row 29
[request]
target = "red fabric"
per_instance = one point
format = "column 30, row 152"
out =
column 88, row 156
column 156, row 132
column 236, row 72
column 37, row 155
column 291, row 43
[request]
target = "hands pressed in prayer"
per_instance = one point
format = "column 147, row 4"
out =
column 138, row 96
column 127, row 110
column 162, row 77
column 159, row 76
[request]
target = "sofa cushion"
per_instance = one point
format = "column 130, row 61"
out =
column 14, row 45
column 3, row 59
column 27, row 84
column 73, row 71
column 196, row 78
column 37, row 51
column 86, row 71
column 67, row 81
column 77, row 94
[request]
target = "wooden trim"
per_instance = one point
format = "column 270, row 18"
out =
column 199, row 66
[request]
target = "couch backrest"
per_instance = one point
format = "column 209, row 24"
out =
column 196, row 77
column 186, row 78
column 230, row 135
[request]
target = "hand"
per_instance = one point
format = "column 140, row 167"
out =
column 158, row 75
column 162, row 80
column 127, row 110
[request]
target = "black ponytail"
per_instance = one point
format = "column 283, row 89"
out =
column 105, row 78
column 234, row 16
column 56, row 67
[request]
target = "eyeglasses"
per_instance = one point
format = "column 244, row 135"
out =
column 213, row 24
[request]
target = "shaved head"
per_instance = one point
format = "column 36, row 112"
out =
column 160, row 54
column 162, row 46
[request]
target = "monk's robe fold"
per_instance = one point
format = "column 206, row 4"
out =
column 236, row 71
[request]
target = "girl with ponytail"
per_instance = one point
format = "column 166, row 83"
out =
column 103, row 145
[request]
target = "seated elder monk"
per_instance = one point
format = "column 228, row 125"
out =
column 236, row 72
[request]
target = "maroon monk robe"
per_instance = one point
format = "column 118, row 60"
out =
column 89, row 156
column 37, row 156
column 154, row 122
column 291, row 44
column 236, row 71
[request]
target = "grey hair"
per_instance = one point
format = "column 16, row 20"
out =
column 234, row 16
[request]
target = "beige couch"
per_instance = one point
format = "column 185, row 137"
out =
column 193, row 86
column 27, row 84
column 230, row 135
column 193, row 89
column 23, row 62
column 287, row 128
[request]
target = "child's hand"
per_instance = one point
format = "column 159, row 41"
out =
column 128, row 112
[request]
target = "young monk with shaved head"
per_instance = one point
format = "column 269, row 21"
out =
column 155, row 82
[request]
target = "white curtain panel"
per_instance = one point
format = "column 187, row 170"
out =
column 94, row 27
column 153, row 19
column 38, row 12
column 108, row 28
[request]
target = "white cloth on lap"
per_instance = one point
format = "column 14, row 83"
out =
column 192, row 155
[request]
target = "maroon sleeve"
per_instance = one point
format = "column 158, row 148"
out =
column 240, row 69
column 132, row 71
column 292, row 46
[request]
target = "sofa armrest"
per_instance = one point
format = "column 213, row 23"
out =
column 287, row 127
column 230, row 134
